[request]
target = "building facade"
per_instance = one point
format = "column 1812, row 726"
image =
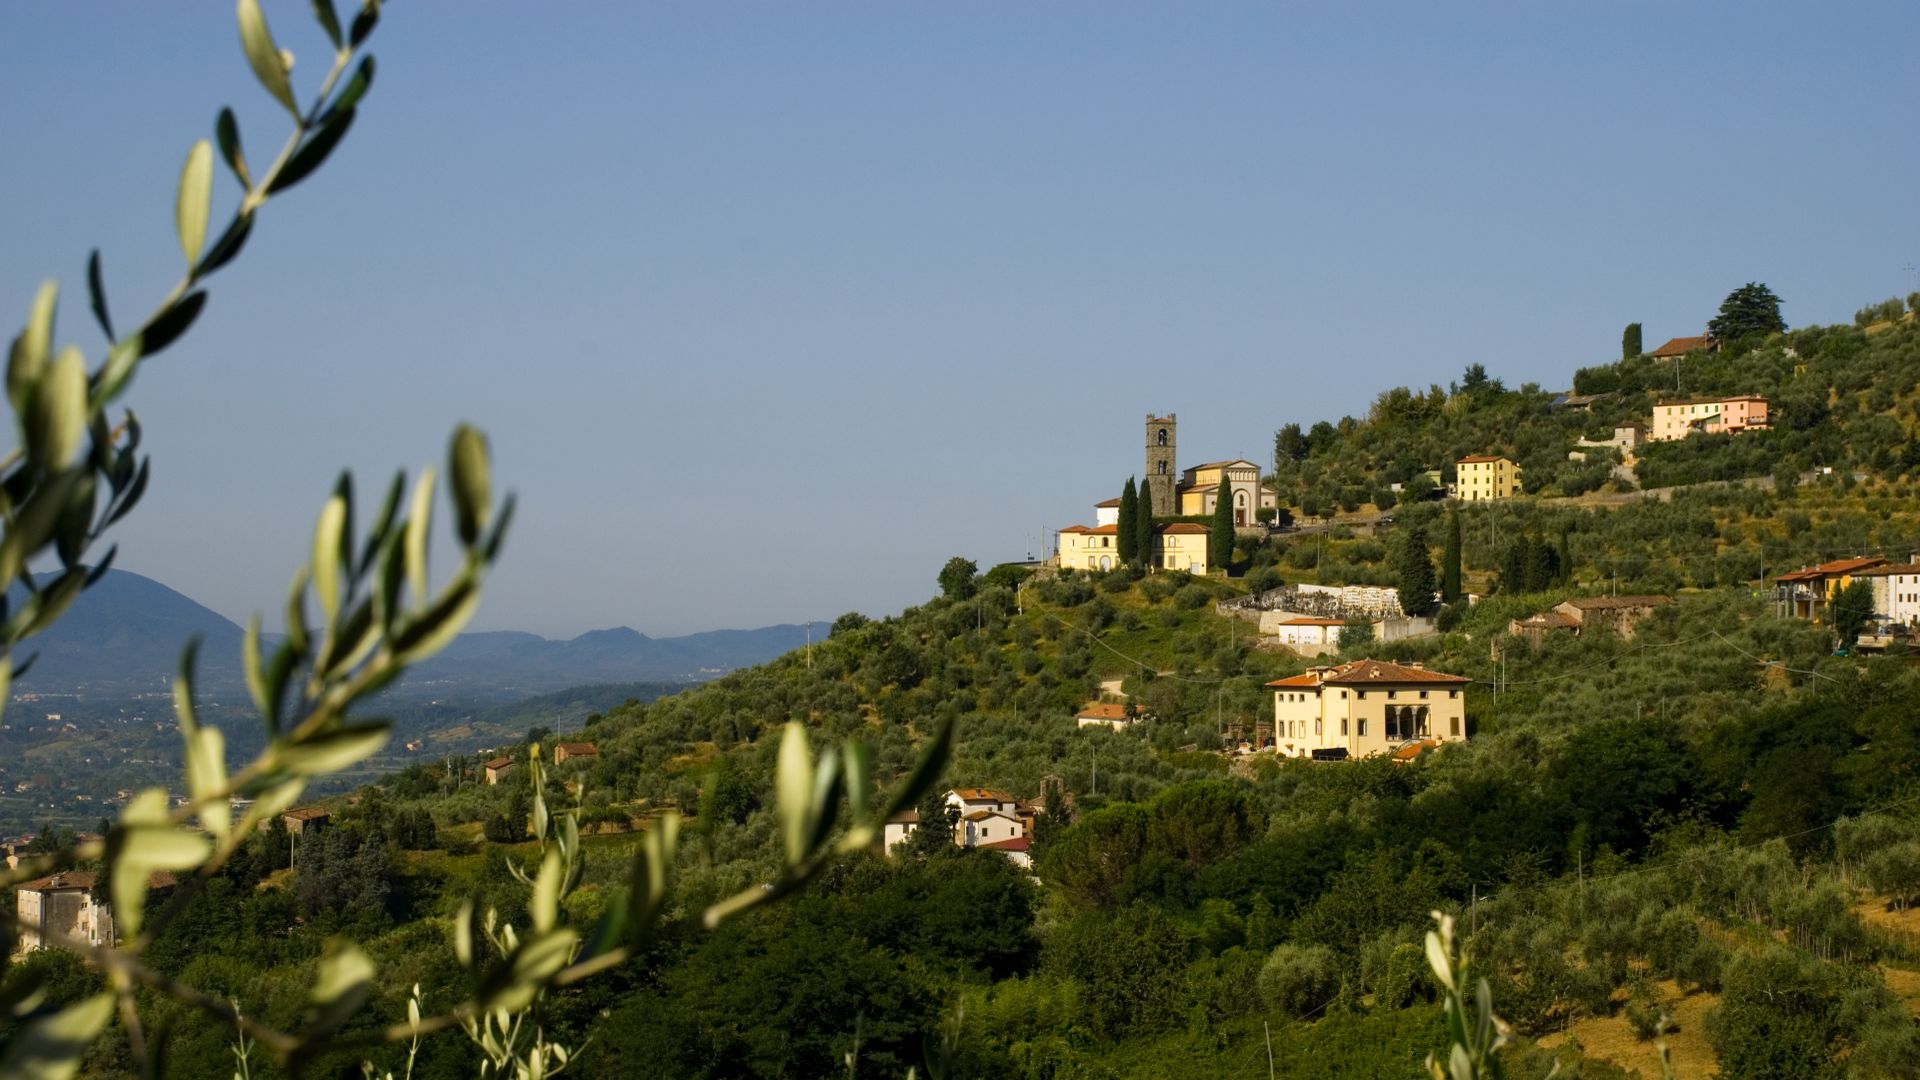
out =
column 1202, row 485
column 1896, row 593
column 1805, row 593
column 1675, row 420
column 1366, row 707
column 1484, row 477
column 1179, row 545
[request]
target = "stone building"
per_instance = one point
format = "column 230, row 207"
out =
column 1162, row 473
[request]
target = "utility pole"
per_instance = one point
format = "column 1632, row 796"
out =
column 809, row 645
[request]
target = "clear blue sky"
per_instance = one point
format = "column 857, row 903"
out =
column 770, row 308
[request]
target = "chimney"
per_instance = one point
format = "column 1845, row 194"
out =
column 1417, row 665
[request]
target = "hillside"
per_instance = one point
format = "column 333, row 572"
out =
column 1843, row 398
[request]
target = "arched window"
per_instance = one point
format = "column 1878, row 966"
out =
column 1163, row 436
column 1163, row 468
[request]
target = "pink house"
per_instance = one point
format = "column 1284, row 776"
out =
column 1674, row 420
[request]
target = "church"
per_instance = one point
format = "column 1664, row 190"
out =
column 1197, row 490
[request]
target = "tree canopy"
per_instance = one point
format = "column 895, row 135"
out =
column 1750, row 309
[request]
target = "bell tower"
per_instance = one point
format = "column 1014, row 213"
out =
column 1162, row 473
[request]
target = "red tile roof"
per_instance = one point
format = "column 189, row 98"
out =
column 1369, row 673
column 1220, row 464
column 982, row 815
column 1889, row 571
column 1413, row 750
column 577, row 749
column 499, row 763
column 1103, row 712
column 1681, row 346
column 1106, row 503
column 1832, row 569
column 980, row 794
column 1182, row 528
column 307, row 813
column 84, row 879
column 1474, row 458
column 1306, row 620
column 1018, row 843
column 1548, row 620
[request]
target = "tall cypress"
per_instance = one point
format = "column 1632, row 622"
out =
column 1127, row 539
column 1565, row 555
column 1220, row 539
column 1450, row 561
column 1143, row 521
column 1414, row 573
column 1630, row 342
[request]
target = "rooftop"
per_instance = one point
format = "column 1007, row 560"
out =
column 1370, row 673
column 1103, row 712
column 980, row 794
column 1018, row 843
column 1605, row 603
column 1681, row 346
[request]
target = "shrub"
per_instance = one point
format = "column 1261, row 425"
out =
column 1404, row 980
column 1192, row 597
column 1299, row 980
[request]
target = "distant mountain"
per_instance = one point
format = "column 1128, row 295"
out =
column 127, row 632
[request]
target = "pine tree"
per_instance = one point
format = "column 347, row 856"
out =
column 1220, row 539
column 1450, row 561
column 1750, row 309
column 1127, row 534
column 1630, row 342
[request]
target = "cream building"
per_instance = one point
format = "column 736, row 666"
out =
column 1675, row 420
column 1179, row 545
column 1366, row 707
column 1201, row 486
column 1896, row 592
column 1484, row 476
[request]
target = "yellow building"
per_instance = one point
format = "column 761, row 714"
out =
column 1366, row 707
column 1177, row 546
column 1484, row 476
column 1200, row 488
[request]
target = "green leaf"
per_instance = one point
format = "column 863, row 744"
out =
column 332, row 751
column 97, row 294
column 50, row 1047
column 363, row 23
column 932, row 761
column 231, row 241
column 297, row 634
column 29, row 356
column 194, row 201
column 382, row 521
column 341, row 985
column 327, row 531
column 356, row 88
column 463, row 950
column 545, row 904
column 58, row 416
column 419, row 520
column 141, row 842
column 264, row 56
column 256, row 676
column 471, row 483
column 312, row 152
column 227, row 130
column 207, row 776
column 329, row 21
column 114, row 375
column 434, row 628
column 791, row 790
column 167, row 326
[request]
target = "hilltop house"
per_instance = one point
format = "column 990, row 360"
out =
column 988, row 819
column 1366, row 707
column 1806, row 592
column 1484, row 477
column 304, row 821
column 63, row 906
column 1105, row 715
column 1896, row 593
column 567, row 751
column 1675, row 420
column 1178, row 545
column 1619, row 614
column 1683, row 346
column 1308, row 634
column 497, row 769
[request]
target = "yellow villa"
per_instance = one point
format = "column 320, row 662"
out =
column 1485, row 476
column 1177, row 546
column 1366, row 707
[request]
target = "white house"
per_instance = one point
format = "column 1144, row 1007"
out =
column 987, row 826
column 1307, row 634
column 1896, row 592
column 897, row 829
column 1016, row 849
column 968, row 800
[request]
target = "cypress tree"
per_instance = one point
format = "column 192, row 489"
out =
column 1450, row 561
column 1127, row 539
column 1415, row 573
column 1565, row 555
column 1220, row 539
column 1630, row 342
column 1143, row 521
